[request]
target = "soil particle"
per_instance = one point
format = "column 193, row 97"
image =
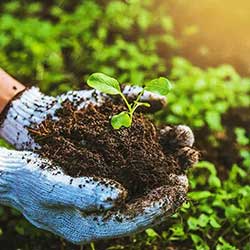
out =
column 83, row 143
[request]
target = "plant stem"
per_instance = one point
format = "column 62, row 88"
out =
column 139, row 96
column 92, row 245
column 135, row 106
column 126, row 102
column 81, row 247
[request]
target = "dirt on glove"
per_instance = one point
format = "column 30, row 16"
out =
column 83, row 143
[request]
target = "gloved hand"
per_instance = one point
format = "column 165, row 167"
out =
column 39, row 193
column 76, row 208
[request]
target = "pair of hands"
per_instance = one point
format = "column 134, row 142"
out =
column 77, row 209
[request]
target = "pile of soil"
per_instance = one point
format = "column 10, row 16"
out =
column 83, row 143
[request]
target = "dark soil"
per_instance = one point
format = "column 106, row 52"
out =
column 83, row 143
column 226, row 153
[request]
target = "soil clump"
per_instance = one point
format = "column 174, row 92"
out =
column 83, row 143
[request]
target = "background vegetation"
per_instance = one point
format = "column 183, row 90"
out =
column 56, row 44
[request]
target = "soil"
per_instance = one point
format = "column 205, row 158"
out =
column 226, row 153
column 83, row 143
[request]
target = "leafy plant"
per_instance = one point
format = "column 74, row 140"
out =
column 111, row 86
column 244, row 146
column 76, row 38
column 200, row 97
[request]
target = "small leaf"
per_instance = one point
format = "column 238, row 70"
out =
column 200, row 244
column 122, row 119
column 192, row 223
column 177, row 232
column 160, row 86
column 104, row 84
column 214, row 181
column 213, row 119
column 203, row 220
column 152, row 233
column 199, row 195
column 143, row 104
column 196, row 238
column 232, row 212
column 164, row 235
column 214, row 223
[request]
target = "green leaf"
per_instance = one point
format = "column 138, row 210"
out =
column 214, row 223
column 196, row 238
column 200, row 244
column 224, row 245
column 164, row 235
column 213, row 119
column 152, row 233
column 192, row 223
column 104, row 84
column 177, row 232
column 203, row 220
column 122, row 119
column 241, row 136
column 199, row 195
column 206, row 208
column 232, row 212
column 208, row 165
column 214, row 181
column 235, row 172
column 145, row 104
column 160, row 86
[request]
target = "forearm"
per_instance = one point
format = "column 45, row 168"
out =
column 9, row 88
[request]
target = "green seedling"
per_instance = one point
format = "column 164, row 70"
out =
column 111, row 86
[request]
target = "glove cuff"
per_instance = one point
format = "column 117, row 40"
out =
column 9, row 89
column 31, row 107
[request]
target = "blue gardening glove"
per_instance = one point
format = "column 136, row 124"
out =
column 27, row 184
column 73, row 208
column 76, row 208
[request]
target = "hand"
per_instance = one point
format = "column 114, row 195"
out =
column 42, row 192
column 79, row 223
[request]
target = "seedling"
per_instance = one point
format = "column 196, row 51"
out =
column 111, row 86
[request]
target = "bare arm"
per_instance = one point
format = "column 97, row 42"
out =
column 9, row 88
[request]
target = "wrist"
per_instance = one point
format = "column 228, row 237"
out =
column 30, row 108
column 9, row 88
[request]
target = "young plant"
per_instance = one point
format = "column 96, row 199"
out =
column 111, row 86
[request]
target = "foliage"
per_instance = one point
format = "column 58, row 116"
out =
column 56, row 43
column 66, row 46
column 111, row 86
column 200, row 97
column 244, row 146
column 218, row 214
